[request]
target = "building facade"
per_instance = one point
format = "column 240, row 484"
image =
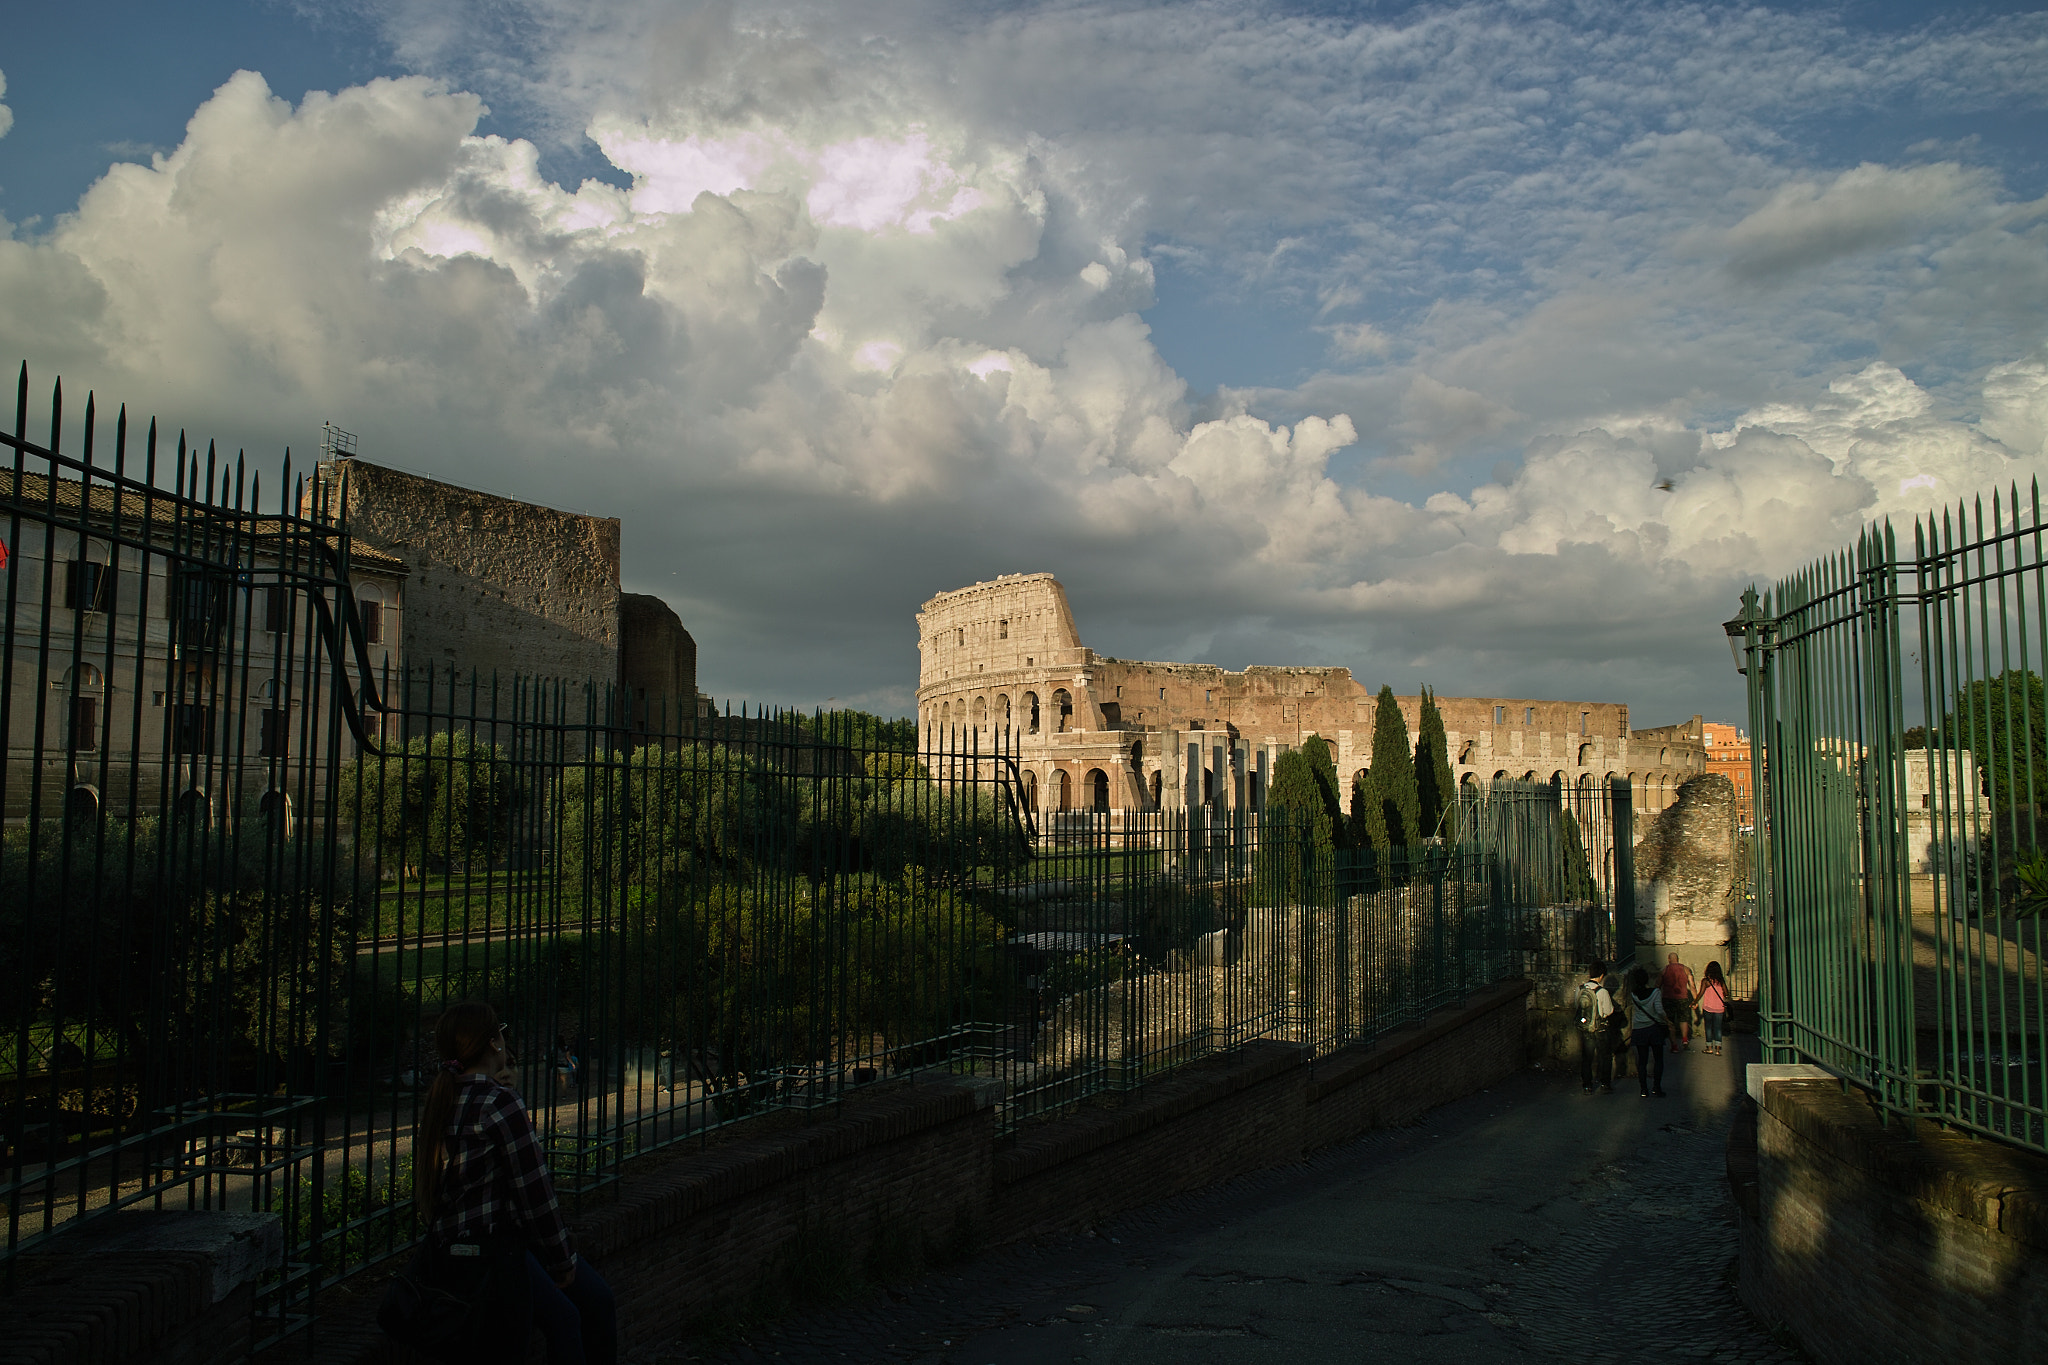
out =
column 1002, row 662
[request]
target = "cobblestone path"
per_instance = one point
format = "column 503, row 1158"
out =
column 1526, row 1224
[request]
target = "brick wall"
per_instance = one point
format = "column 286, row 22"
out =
column 1871, row 1247
column 142, row 1287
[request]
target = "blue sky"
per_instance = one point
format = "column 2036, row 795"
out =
column 1339, row 334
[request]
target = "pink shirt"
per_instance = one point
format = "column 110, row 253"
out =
column 1713, row 999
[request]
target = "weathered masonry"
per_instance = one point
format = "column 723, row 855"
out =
column 1094, row 732
column 499, row 586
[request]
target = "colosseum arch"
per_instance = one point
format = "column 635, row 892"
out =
column 1159, row 782
column 1030, row 713
column 1003, row 712
column 1585, row 754
column 1467, row 750
column 1500, row 775
column 1062, row 710
column 1098, row 789
column 979, row 715
column 1030, row 789
column 1061, row 795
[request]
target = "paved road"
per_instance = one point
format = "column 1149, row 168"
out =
column 1530, row 1223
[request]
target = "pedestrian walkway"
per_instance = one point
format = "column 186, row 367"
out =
column 1530, row 1223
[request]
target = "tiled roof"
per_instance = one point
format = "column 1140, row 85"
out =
column 166, row 512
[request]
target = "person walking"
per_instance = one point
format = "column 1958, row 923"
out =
column 1676, row 985
column 482, row 1185
column 1646, row 1021
column 1713, row 1005
column 1596, row 1009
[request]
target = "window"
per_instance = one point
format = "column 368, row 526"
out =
column 85, row 724
column 1030, row 713
column 1098, row 789
column 274, row 740
column 1528, row 715
column 960, row 637
column 1002, row 630
column 192, row 729
column 277, row 608
column 199, row 608
column 88, row 585
column 1162, row 694
column 1500, row 715
column 1584, row 716
column 1208, row 695
column 1119, row 693
column 1063, row 710
column 370, row 606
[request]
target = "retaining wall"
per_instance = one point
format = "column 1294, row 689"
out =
column 914, row 1173
column 1869, row 1246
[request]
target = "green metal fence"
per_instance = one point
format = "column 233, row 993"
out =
column 1897, row 694
column 247, row 861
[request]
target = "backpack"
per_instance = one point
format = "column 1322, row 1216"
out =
column 1590, row 1021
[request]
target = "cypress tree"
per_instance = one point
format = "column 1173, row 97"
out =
column 1297, row 835
column 1393, row 775
column 1435, row 787
column 1320, row 761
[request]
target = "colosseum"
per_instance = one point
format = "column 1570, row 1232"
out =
column 1001, row 663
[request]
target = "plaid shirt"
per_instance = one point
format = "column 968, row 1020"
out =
column 495, row 1178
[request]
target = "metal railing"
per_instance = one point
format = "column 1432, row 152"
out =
column 1903, row 765
column 236, row 890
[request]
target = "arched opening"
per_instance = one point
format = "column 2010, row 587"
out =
column 1098, row 789
column 1358, row 778
column 1137, row 752
column 1501, row 775
column 275, row 809
column 1208, row 785
column 1003, row 712
column 1030, row 789
column 1585, row 754
column 978, row 715
column 194, row 810
column 1529, row 776
column 1062, row 794
column 1157, row 784
column 82, row 805
column 1030, row 713
column 1663, row 757
column 1469, row 783
column 1063, row 711
column 1467, row 749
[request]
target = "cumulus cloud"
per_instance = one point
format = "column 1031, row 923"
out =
column 6, row 114
column 869, row 320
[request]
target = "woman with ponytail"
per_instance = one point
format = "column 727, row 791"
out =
column 483, row 1188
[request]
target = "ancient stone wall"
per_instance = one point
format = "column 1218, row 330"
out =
column 1002, row 662
column 1686, row 862
column 496, row 585
column 657, row 662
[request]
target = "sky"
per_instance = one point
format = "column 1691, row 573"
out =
column 1494, row 347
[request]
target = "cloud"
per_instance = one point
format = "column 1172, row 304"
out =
column 870, row 319
column 6, row 114
column 1807, row 223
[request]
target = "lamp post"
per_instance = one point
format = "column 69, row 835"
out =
column 1749, row 635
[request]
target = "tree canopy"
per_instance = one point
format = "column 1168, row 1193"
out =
column 1436, row 787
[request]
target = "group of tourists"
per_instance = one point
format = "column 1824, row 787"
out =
column 1647, row 1017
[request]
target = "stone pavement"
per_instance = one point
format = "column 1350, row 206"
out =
column 1528, row 1223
